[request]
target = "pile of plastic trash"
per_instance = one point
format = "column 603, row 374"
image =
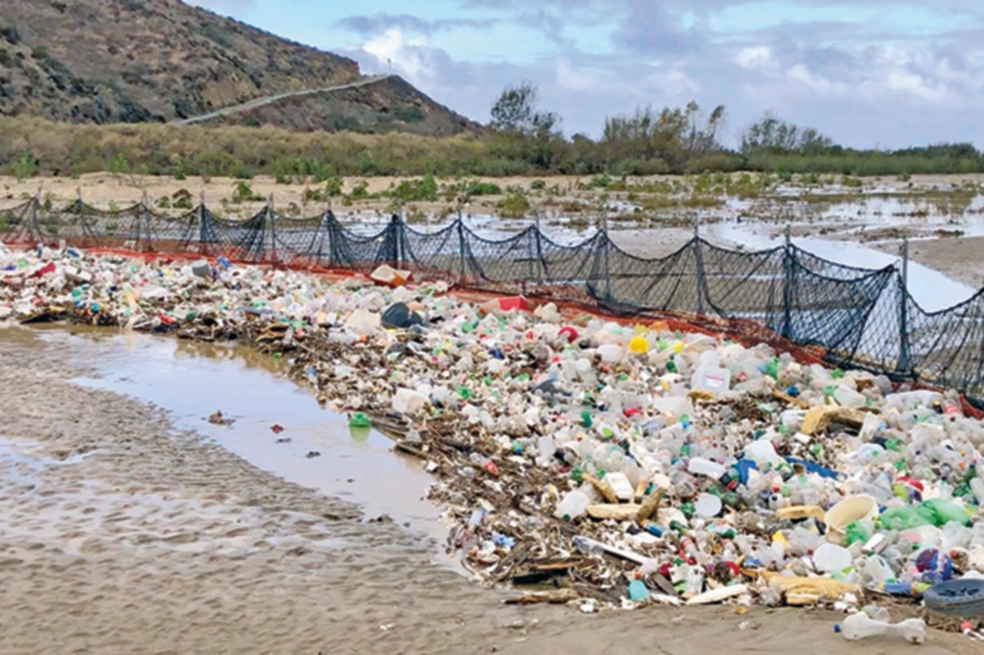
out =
column 594, row 462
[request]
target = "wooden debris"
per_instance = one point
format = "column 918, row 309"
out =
column 617, row 512
column 554, row 596
column 807, row 591
column 818, row 418
column 785, row 397
column 701, row 396
column 603, row 488
column 650, row 506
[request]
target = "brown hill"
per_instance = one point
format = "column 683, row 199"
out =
column 130, row 61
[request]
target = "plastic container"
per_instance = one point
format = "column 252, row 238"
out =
column 763, row 453
column 408, row 401
column 956, row 598
column 707, row 506
column 572, row 506
column 847, row 397
column 830, row 558
column 862, row 508
column 714, row 380
column 610, row 353
column 861, row 626
column 700, row 466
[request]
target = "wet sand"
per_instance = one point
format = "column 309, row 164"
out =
column 122, row 534
column 959, row 258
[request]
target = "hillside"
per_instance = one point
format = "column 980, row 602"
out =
column 133, row 61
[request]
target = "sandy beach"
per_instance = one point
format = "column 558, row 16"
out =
column 122, row 535
column 958, row 258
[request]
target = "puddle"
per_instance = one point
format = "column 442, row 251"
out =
column 192, row 380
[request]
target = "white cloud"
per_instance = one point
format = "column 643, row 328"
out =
column 818, row 85
column 576, row 80
column 405, row 54
column 756, row 58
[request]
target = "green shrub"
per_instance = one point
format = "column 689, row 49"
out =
column 514, row 205
column 24, row 167
column 423, row 190
column 243, row 193
column 181, row 199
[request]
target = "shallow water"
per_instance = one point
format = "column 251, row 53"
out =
column 192, row 380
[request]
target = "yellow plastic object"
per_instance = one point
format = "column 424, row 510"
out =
column 638, row 345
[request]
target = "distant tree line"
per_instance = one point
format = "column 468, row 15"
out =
column 686, row 140
column 521, row 139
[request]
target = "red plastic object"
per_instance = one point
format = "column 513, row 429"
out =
column 514, row 302
column 568, row 333
column 44, row 270
column 912, row 482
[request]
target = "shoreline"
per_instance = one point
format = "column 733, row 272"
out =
column 221, row 568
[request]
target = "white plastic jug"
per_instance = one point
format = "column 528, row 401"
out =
column 847, row 397
column 860, row 626
column 573, row 505
column 610, row 353
column 408, row 401
column 700, row 466
column 714, row 380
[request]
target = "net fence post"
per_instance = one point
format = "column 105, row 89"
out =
column 34, row 233
column 698, row 266
column 787, row 285
column 903, row 366
column 273, row 231
column 461, row 247
column 202, row 230
column 607, row 246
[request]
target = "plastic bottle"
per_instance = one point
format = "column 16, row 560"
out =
column 700, row 466
column 977, row 535
column 847, row 397
column 861, row 626
column 610, row 353
column 572, row 505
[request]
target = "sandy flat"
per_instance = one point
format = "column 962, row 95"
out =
column 119, row 535
column 960, row 258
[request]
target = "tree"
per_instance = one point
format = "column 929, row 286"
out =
column 515, row 111
column 521, row 131
column 772, row 134
column 666, row 139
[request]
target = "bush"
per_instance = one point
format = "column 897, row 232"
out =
column 424, row 190
column 9, row 32
column 514, row 205
column 243, row 193
column 24, row 167
column 181, row 199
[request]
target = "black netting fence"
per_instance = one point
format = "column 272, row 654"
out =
column 851, row 316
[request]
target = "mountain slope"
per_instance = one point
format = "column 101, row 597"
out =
column 106, row 61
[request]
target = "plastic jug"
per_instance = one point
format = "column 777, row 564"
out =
column 714, row 380
column 830, row 557
column 610, row 353
column 408, row 401
column 700, row 466
column 572, row 506
column 860, row 626
column 847, row 397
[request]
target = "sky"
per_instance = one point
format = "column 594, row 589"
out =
column 869, row 73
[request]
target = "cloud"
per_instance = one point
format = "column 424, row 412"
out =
column 894, row 72
column 383, row 21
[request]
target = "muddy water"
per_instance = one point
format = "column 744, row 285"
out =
column 316, row 449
